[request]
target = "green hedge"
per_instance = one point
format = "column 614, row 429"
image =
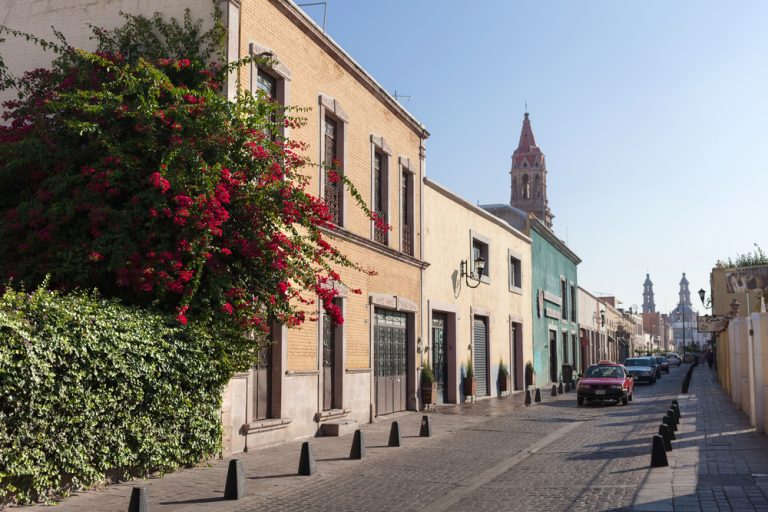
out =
column 90, row 387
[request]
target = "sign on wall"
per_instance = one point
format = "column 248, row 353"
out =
column 716, row 323
column 747, row 279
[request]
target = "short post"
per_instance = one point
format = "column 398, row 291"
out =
column 560, row 388
column 358, row 446
column 235, row 486
column 426, row 430
column 394, row 435
column 537, row 397
column 677, row 412
column 139, row 500
column 658, row 453
column 307, row 464
column 567, row 387
column 527, row 397
column 670, row 424
column 671, row 414
column 667, row 435
column 554, row 390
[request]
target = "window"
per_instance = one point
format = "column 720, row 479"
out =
column 380, row 182
column 480, row 248
column 272, row 80
column 573, row 303
column 332, row 155
column 564, row 298
column 537, row 186
column 406, row 208
column 332, row 185
column 515, row 272
column 266, row 83
column 526, row 187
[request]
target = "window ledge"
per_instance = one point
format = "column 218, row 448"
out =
column 265, row 425
column 331, row 414
column 516, row 289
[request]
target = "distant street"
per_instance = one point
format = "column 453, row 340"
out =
column 501, row 455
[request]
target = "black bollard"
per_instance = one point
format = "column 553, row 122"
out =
column 527, row 397
column 658, row 453
column 671, row 414
column 394, row 435
column 667, row 435
column 677, row 411
column 560, row 388
column 307, row 464
column 426, row 430
column 139, row 500
column 669, row 423
column 537, row 397
column 554, row 390
column 567, row 387
column 235, row 486
column 674, row 401
column 358, row 446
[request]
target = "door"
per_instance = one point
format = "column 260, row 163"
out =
column 480, row 355
column 329, row 357
column 553, row 356
column 439, row 360
column 390, row 335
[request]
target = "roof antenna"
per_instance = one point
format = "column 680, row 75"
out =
column 398, row 96
column 325, row 9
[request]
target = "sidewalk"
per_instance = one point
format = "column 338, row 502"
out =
column 271, row 473
column 718, row 462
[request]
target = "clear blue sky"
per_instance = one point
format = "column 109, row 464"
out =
column 653, row 116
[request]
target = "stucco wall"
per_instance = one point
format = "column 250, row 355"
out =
column 449, row 222
column 549, row 266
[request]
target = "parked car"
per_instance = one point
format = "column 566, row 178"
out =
column 674, row 359
column 605, row 381
column 663, row 362
column 641, row 369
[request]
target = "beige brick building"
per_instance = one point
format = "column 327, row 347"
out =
column 320, row 376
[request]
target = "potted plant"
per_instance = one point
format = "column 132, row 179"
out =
column 529, row 374
column 504, row 378
column 428, row 385
column 470, row 383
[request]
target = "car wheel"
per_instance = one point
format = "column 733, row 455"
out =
column 653, row 380
column 579, row 401
column 624, row 400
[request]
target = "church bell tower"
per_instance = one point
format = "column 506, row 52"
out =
column 529, row 177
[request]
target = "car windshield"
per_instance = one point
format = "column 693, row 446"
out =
column 637, row 361
column 604, row 372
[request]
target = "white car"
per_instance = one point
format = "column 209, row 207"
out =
column 674, row 359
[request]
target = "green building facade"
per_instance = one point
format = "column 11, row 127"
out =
column 555, row 308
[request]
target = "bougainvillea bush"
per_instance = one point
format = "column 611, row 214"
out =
column 91, row 387
column 128, row 170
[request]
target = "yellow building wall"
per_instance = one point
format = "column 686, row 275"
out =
column 448, row 221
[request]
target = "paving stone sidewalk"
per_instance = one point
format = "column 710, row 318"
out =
column 718, row 463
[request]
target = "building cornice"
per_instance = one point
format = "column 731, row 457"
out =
column 348, row 236
column 308, row 25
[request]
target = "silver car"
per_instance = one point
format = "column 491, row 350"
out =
column 674, row 359
column 641, row 369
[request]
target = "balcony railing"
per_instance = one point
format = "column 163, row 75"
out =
column 380, row 232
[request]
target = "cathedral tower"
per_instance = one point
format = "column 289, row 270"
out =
column 649, row 306
column 529, row 177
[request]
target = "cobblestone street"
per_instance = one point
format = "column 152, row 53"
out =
column 501, row 455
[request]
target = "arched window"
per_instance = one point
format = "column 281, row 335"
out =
column 514, row 188
column 537, row 186
column 526, row 187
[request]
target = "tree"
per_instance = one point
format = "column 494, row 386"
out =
column 128, row 170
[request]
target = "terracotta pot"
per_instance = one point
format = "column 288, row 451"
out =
column 470, row 386
column 429, row 393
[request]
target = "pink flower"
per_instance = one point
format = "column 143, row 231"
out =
column 160, row 183
column 95, row 257
column 227, row 308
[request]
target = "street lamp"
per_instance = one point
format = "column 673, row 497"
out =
column 479, row 268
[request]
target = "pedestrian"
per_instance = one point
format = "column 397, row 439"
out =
column 710, row 358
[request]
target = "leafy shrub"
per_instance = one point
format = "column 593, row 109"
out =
column 90, row 387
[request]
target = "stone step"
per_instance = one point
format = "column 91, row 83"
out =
column 336, row 428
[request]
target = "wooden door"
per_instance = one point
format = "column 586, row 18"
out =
column 390, row 341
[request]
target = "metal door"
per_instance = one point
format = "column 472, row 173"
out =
column 329, row 356
column 262, row 392
column 513, row 357
column 390, row 341
column 480, row 355
column 439, row 363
